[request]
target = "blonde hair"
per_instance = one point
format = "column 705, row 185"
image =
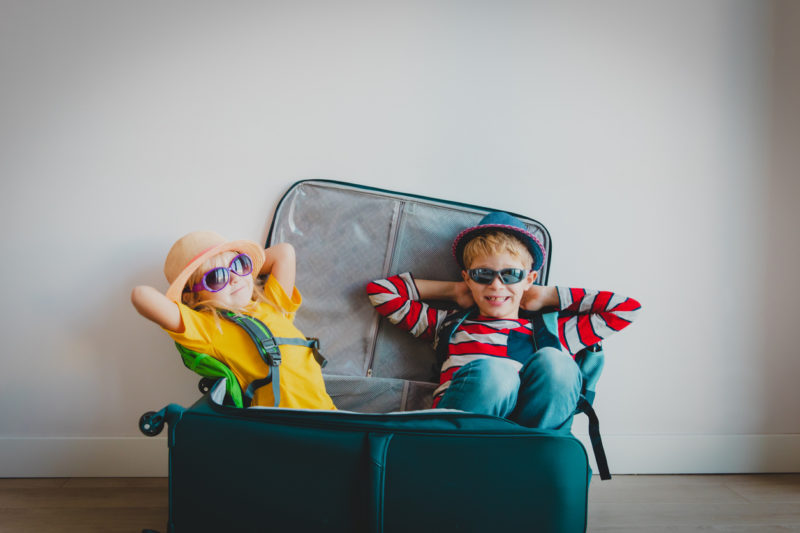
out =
column 496, row 242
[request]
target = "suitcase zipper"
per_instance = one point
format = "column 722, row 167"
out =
column 387, row 265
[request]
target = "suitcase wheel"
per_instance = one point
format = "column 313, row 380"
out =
column 151, row 423
column 205, row 384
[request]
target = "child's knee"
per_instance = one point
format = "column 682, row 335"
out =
column 487, row 386
column 497, row 378
column 556, row 369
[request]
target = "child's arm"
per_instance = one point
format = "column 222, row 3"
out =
column 538, row 297
column 280, row 262
column 154, row 306
column 587, row 317
column 455, row 291
column 397, row 298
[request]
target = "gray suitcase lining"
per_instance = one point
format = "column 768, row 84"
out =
column 345, row 236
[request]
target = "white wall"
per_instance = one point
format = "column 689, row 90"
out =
column 656, row 140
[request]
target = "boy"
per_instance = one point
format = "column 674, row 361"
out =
column 513, row 354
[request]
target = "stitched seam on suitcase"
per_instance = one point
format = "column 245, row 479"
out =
column 347, row 424
column 404, row 397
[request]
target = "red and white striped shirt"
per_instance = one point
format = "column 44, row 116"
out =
column 584, row 318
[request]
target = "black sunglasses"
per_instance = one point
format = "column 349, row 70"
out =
column 485, row 276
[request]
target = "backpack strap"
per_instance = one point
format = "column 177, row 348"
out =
column 310, row 342
column 594, row 436
column 268, row 349
column 446, row 331
column 545, row 329
column 591, row 361
column 268, row 346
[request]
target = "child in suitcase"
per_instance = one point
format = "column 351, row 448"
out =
column 513, row 354
column 207, row 275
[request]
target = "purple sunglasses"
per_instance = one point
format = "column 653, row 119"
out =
column 218, row 278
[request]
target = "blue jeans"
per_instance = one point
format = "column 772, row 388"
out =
column 543, row 394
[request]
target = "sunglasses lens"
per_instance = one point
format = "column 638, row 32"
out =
column 216, row 279
column 241, row 265
column 483, row 276
column 511, row 275
column 508, row 276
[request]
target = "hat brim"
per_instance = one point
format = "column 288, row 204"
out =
column 531, row 242
column 250, row 248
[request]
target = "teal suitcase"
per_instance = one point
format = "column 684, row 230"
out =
column 384, row 462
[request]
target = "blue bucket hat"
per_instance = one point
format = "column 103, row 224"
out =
column 499, row 221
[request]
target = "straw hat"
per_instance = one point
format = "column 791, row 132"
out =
column 192, row 250
column 499, row 221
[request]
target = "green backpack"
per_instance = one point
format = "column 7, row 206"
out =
column 268, row 346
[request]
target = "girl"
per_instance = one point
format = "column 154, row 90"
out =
column 207, row 275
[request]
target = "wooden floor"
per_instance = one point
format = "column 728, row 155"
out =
column 660, row 504
column 646, row 504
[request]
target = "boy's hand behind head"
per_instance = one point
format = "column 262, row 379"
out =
column 537, row 297
column 463, row 296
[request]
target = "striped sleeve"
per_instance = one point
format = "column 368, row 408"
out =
column 587, row 317
column 397, row 299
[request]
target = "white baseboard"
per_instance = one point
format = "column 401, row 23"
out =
column 84, row 457
column 698, row 454
column 627, row 454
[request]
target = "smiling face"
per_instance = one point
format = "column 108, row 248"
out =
column 497, row 300
column 235, row 296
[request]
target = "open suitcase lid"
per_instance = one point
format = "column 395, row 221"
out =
column 346, row 235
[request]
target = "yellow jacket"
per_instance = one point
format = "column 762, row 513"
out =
column 301, row 381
